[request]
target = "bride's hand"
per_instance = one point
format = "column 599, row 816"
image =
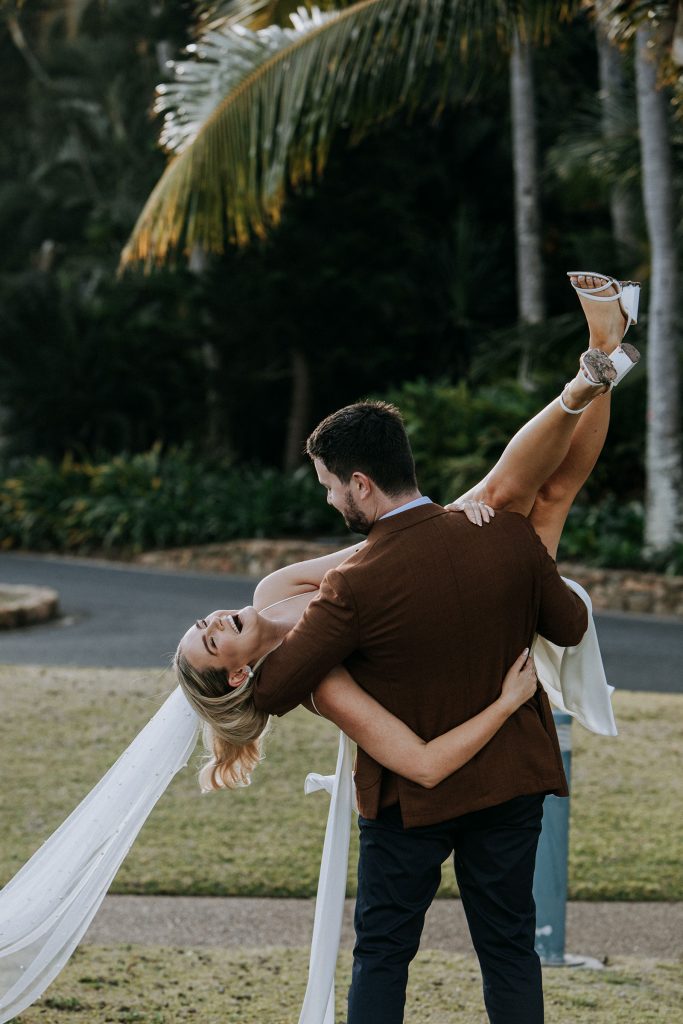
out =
column 478, row 512
column 520, row 683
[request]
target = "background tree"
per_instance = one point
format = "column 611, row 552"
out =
column 656, row 27
column 664, row 468
column 530, row 276
column 614, row 103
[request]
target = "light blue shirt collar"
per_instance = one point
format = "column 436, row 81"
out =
column 424, row 500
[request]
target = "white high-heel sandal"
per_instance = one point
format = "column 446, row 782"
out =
column 627, row 294
column 599, row 369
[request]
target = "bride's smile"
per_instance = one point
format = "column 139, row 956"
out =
column 229, row 639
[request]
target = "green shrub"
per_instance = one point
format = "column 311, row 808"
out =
column 457, row 434
column 611, row 533
column 154, row 500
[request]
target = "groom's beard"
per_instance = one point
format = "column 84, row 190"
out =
column 355, row 519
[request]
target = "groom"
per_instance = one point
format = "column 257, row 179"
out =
column 427, row 616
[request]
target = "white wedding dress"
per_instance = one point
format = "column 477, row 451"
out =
column 47, row 907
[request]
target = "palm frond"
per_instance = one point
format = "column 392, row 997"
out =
column 253, row 112
column 622, row 18
column 257, row 110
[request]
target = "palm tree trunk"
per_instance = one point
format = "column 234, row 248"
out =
column 612, row 89
column 663, row 455
column 299, row 410
column 677, row 42
column 531, row 306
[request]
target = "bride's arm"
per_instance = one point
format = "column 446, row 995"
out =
column 299, row 578
column 393, row 744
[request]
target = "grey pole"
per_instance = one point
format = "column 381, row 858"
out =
column 550, row 879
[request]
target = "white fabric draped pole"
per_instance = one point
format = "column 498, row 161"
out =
column 318, row 1006
column 46, row 908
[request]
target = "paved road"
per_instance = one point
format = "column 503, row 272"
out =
column 123, row 616
column 112, row 615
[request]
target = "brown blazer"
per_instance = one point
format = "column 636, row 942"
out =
column 428, row 616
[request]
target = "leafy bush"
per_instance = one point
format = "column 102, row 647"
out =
column 154, row 500
column 457, row 434
column 611, row 533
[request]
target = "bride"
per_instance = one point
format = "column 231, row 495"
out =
column 46, row 908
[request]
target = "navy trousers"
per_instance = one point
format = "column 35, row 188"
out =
column 494, row 852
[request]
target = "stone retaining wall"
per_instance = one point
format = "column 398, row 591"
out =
column 629, row 591
column 610, row 589
column 253, row 558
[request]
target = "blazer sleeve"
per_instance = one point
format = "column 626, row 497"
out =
column 562, row 615
column 327, row 633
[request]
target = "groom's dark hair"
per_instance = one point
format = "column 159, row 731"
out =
column 366, row 437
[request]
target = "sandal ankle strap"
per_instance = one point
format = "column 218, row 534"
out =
column 565, row 407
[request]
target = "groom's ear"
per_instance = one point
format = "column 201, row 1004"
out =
column 361, row 484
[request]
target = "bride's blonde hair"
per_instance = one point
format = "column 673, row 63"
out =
column 234, row 728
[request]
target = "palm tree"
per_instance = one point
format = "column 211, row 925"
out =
column 530, row 297
column 613, row 100
column 254, row 111
column 658, row 28
column 664, row 464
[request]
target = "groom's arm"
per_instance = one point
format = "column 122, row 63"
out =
column 326, row 635
column 562, row 615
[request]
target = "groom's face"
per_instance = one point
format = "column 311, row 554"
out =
column 343, row 497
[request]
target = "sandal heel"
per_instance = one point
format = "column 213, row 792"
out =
column 624, row 359
column 630, row 299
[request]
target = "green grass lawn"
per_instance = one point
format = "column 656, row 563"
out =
column 64, row 727
column 226, row 986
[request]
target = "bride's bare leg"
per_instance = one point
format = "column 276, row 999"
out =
column 555, row 452
column 556, row 495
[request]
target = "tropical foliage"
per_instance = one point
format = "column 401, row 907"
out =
column 240, row 152
column 390, row 271
column 129, row 504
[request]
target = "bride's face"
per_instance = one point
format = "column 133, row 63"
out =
column 225, row 639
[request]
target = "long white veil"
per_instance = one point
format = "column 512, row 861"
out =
column 46, row 908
